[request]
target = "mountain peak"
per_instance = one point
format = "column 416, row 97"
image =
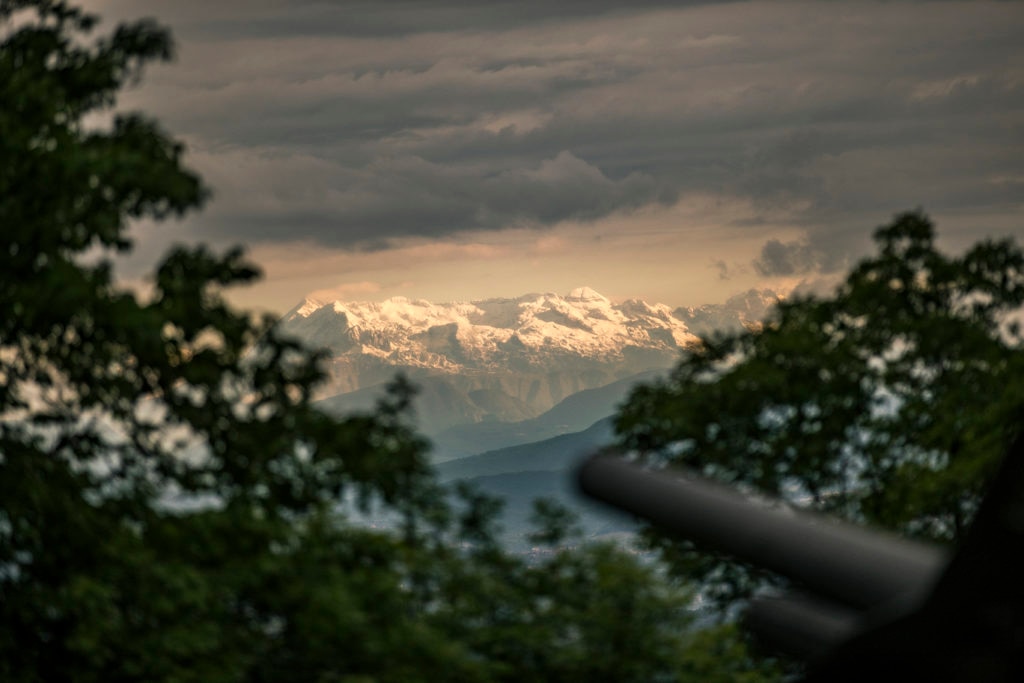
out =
column 305, row 307
column 585, row 294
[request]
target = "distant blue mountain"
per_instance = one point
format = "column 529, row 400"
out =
column 557, row 454
column 573, row 414
column 545, row 469
column 441, row 401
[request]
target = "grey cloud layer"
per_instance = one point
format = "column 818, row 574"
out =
column 789, row 258
column 352, row 124
column 410, row 196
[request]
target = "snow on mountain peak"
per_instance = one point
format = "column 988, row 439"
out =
column 306, row 307
column 532, row 330
column 585, row 294
column 534, row 349
column 504, row 356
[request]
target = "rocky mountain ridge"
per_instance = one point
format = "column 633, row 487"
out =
column 504, row 359
column 464, row 336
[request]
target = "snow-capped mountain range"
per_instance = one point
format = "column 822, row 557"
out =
column 463, row 337
column 513, row 358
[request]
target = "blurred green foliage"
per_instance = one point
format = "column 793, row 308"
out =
column 169, row 497
column 889, row 402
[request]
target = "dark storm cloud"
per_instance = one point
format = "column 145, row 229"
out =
column 356, row 123
column 413, row 197
column 790, row 258
column 381, row 18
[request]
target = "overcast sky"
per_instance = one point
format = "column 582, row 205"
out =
column 675, row 152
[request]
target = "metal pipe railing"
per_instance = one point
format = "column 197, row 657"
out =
column 859, row 568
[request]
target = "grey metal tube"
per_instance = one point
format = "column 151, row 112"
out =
column 857, row 567
column 800, row 625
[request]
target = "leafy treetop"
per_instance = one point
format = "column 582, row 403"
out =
column 889, row 402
